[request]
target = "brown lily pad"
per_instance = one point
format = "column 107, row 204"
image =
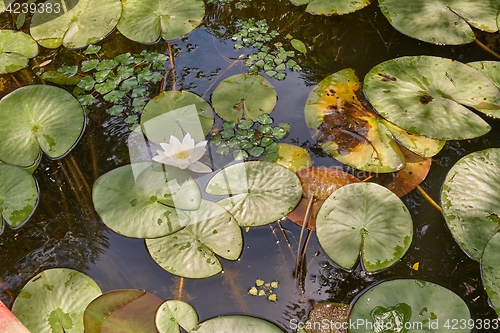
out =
column 317, row 185
column 406, row 180
column 334, row 314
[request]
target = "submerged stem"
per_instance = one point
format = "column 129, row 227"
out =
column 487, row 49
column 172, row 66
column 428, row 198
column 181, row 287
column 304, row 225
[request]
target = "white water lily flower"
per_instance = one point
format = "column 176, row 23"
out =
column 183, row 154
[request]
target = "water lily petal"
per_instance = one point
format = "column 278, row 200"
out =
column 165, row 147
column 188, row 141
column 175, row 145
column 197, row 152
column 199, row 167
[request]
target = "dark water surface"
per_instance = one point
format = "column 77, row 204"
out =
column 65, row 231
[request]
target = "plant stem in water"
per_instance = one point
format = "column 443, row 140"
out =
column 428, row 198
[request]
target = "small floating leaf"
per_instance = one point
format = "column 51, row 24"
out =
column 173, row 313
column 366, row 218
column 44, row 304
column 299, row 46
column 251, row 95
column 332, row 7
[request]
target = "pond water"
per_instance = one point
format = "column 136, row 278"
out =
column 65, row 231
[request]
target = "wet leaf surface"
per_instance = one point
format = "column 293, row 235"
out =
column 364, row 218
column 430, row 96
column 490, row 270
column 262, row 192
column 46, row 118
column 421, row 306
column 16, row 48
column 446, row 22
column 471, row 200
column 190, row 252
column 74, row 24
column 55, row 300
column 332, row 7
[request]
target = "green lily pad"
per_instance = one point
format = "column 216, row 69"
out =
column 347, row 128
column 409, row 306
column 18, row 195
column 441, row 21
column 46, row 117
column 262, row 192
column 364, row 217
column 237, row 323
column 332, row 7
column 251, row 95
column 190, row 252
column 16, row 48
column 143, row 200
column 489, row 68
column 471, row 200
column 173, row 313
column 145, row 21
column 428, row 96
column 74, row 23
column 176, row 113
column 124, row 311
column 490, row 270
column 54, row 301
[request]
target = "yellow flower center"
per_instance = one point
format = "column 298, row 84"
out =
column 180, row 155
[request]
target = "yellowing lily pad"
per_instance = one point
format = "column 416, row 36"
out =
column 16, row 48
column 293, row 157
column 74, row 23
column 243, row 94
column 145, row 21
column 347, row 128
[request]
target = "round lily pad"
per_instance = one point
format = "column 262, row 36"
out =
column 262, row 192
column 490, row 270
column 176, row 113
column 190, row 252
column 173, row 313
column 332, row 7
column 125, row 310
column 18, row 195
column 238, row 323
column 16, row 48
column 145, row 21
column 54, row 301
column 251, row 95
column 143, row 200
column 364, row 217
column 441, row 21
column 74, row 23
column 471, row 200
column 409, row 306
column 45, row 117
column 429, row 96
